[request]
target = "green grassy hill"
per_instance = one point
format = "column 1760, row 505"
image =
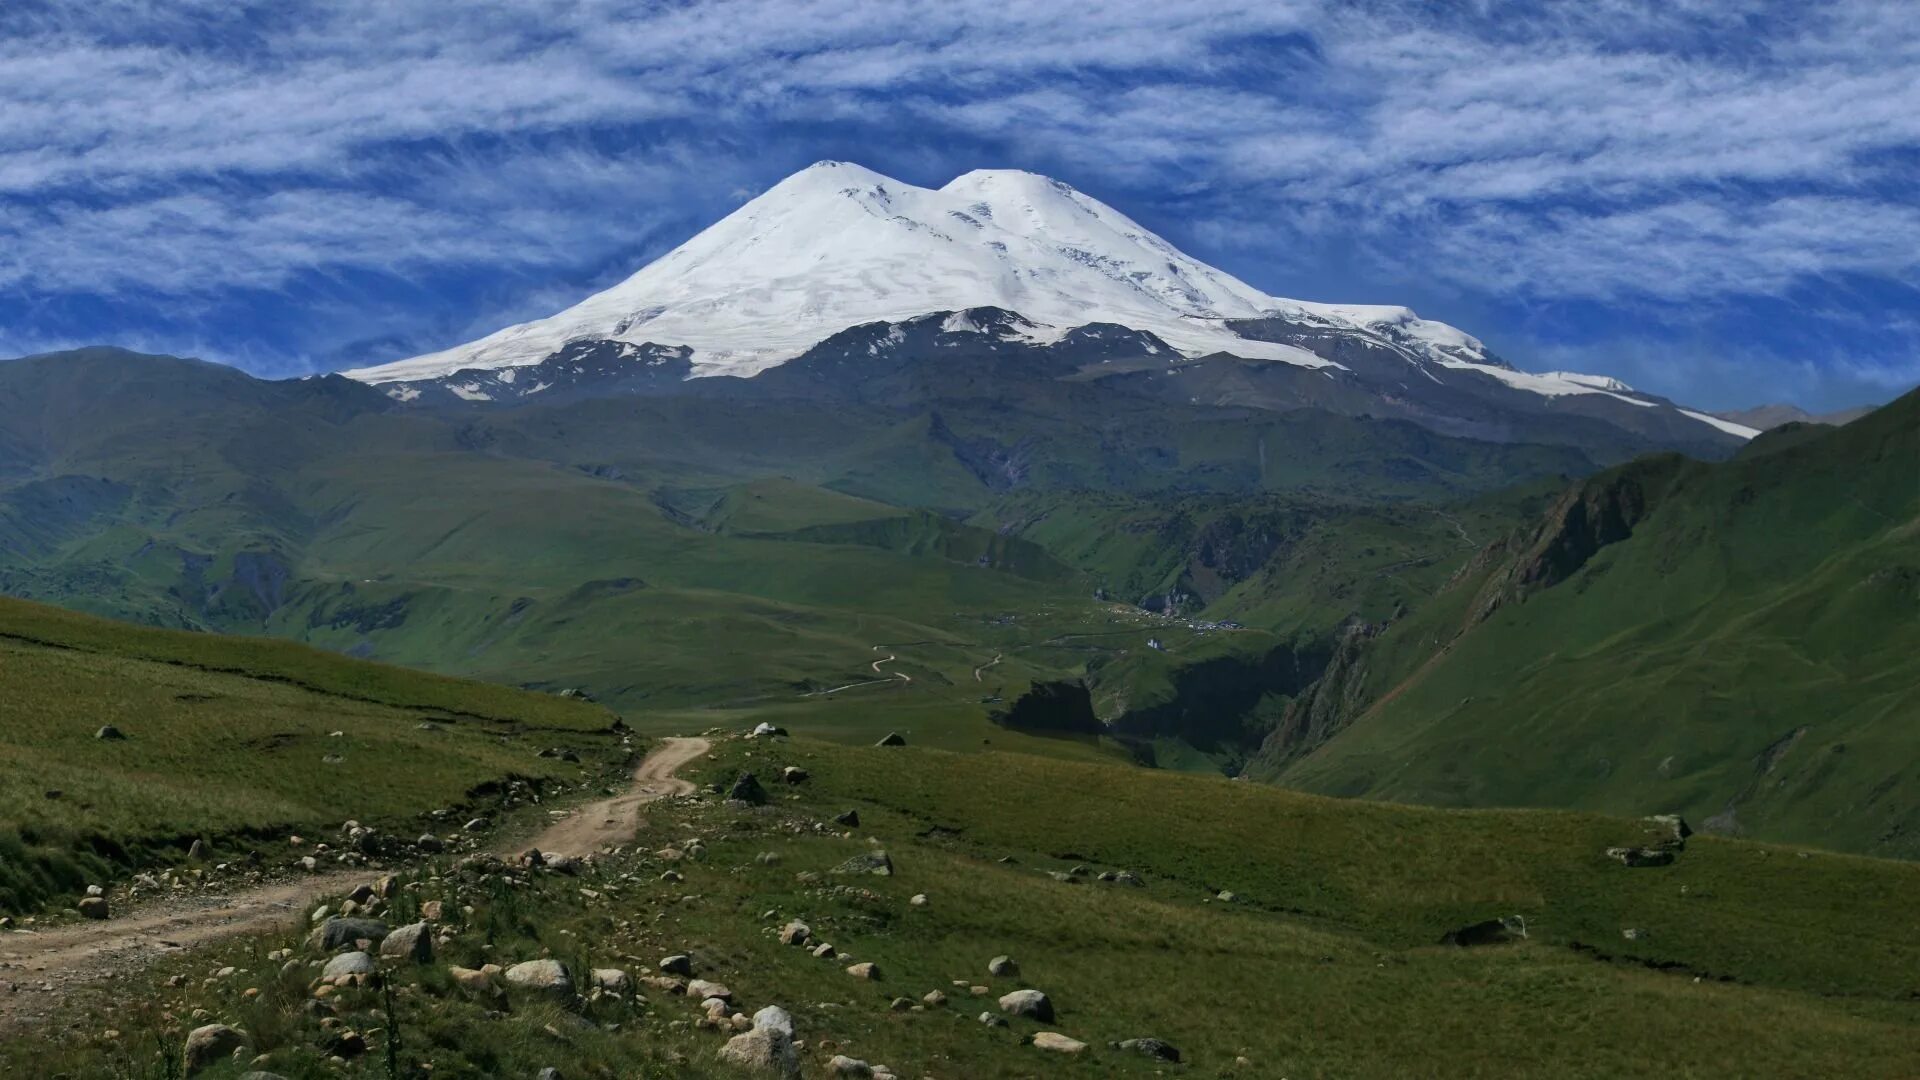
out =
column 1739, row 641
column 232, row 741
column 1326, row 961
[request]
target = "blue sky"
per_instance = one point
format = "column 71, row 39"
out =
column 1715, row 201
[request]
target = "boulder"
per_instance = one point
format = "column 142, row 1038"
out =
column 747, row 789
column 871, row 862
column 480, row 982
column 865, row 970
column 541, row 976
column 348, row 963
column 1031, row 1004
column 109, row 733
column 768, row 731
column 1669, row 830
column 842, row 1065
column 430, row 844
column 774, row 1018
column 210, row 1045
column 702, row 989
column 851, row 819
column 1058, row 1043
column 93, row 907
column 612, row 980
column 918, row 900
column 794, row 774
column 1128, row 877
column 677, row 964
column 1491, row 932
column 795, row 933
column 1637, row 857
column 934, row 999
column 893, row 739
column 412, row 943
column 1002, row 966
column 991, row 1020
column 337, row 933
column 764, row 1052
column 1151, row 1047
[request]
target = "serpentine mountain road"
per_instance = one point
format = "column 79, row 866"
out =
column 35, row 968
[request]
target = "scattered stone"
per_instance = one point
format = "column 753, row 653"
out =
column 1058, row 1043
column 482, row 982
column 109, row 733
column 901, row 1004
column 677, row 964
column 794, row 774
column 430, row 844
column 1633, row 934
column 549, row 1073
column 478, row 824
column 747, row 789
column 348, row 963
column 1672, row 830
column 93, row 907
column 433, row 910
column 1128, row 877
column 337, row 933
column 197, row 850
column 1227, row 896
column 934, row 999
column 893, row 739
column 1151, row 1047
column 918, row 900
column 763, row 1051
column 411, row 943
column 1002, row 966
column 824, row 951
column 851, row 819
column 210, row 1044
column 702, row 989
column 842, row 1065
column 795, row 933
column 768, row 731
column 542, row 976
column 612, row 980
column 1491, row 932
column 871, row 862
column 865, row 970
column 774, row 1018
column 1637, row 857
column 991, row 1020
column 1031, row 1004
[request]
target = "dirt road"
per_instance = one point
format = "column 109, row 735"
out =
column 35, row 968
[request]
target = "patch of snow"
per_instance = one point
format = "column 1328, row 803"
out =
column 469, row 391
column 1552, row 383
column 1740, row 431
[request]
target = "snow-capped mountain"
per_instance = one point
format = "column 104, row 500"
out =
column 837, row 246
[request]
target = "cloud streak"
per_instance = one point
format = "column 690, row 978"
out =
column 1672, row 159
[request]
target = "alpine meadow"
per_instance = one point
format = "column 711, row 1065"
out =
column 506, row 570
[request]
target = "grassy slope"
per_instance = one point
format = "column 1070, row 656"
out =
column 1327, row 966
column 1750, row 651
column 228, row 737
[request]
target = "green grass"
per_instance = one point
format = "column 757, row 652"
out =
column 231, row 740
column 1328, row 966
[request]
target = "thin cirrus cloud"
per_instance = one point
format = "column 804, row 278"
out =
column 1578, row 183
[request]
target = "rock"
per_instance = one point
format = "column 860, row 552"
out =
column 541, row 976
column 1672, row 830
column 901, row 1004
column 677, row 964
column 480, row 982
column 348, row 963
column 934, row 999
column 872, row 862
column 1058, row 1043
column 211, row 1044
column 412, row 943
column 336, row 933
column 549, row 1073
column 794, row 774
column 774, row 1018
column 258, row 1075
column 762, row 1051
column 918, row 900
column 612, row 980
column 842, row 1065
column 361, row 893
column 109, row 733
column 1633, row 934
column 893, row 739
column 93, row 907
column 1002, row 966
column 851, row 819
column 1491, row 932
column 478, row 824
column 823, row 950
column 197, row 850
column 747, row 789
column 866, row 970
column 768, row 731
column 702, row 989
column 1636, row 857
column 991, row 1020
column 1227, row 896
column 433, row 910
column 430, row 844
column 1151, row 1047
column 1031, row 1004
column 343, row 1043
column 1128, row 877
column 795, row 933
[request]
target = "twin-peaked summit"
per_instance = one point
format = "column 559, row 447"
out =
column 838, row 245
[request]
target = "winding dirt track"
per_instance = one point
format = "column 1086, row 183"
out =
column 67, row 956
